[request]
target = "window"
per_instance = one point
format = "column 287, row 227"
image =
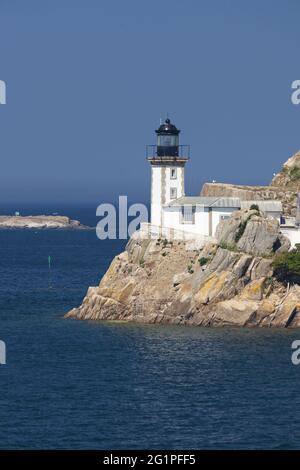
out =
column 167, row 140
column 224, row 217
column 173, row 173
column 173, row 193
column 188, row 215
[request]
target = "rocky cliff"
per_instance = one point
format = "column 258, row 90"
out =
column 289, row 176
column 284, row 186
column 228, row 283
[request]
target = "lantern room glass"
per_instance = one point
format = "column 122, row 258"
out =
column 168, row 140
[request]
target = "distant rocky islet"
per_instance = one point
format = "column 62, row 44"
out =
column 38, row 222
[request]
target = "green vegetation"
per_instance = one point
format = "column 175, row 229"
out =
column 254, row 207
column 190, row 268
column 203, row 261
column 227, row 246
column 269, row 281
column 287, row 267
column 240, row 230
column 295, row 174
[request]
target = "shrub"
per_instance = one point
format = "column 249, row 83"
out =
column 203, row 261
column 295, row 174
column 240, row 231
column 190, row 269
column 269, row 281
column 227, row 246
column 287, row 267
column 254, row 207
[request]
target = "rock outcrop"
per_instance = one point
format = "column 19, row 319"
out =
column 284, row 186
column 228, row 283
column 289, row 176
column 248, row 231
column 39, row 222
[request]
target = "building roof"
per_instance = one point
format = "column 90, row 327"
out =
column 206, row 201
column 225, row 202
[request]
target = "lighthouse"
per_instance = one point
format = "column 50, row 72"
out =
column 167, row 159
column 175, row 216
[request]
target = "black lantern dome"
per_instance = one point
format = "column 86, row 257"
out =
column 167, row 128
column 167, row 140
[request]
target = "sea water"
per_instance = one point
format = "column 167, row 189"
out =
column 72, row 384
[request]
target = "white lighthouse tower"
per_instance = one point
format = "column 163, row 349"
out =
column 167, row 160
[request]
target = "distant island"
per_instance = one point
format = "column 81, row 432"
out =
column 45, row 222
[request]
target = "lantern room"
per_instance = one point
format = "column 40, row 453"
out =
column 167, row 140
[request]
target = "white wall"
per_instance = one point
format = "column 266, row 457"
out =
column 161, row 184
column 275, row 215
column 292, row 233
column 156, row 194
column 177, row 183
column 217, row 213
column 172, row 219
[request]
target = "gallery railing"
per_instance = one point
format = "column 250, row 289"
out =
column 160, row 153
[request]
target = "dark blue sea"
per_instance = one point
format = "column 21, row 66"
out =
column 74, row 384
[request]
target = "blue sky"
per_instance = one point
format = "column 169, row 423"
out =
column 87, row 82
